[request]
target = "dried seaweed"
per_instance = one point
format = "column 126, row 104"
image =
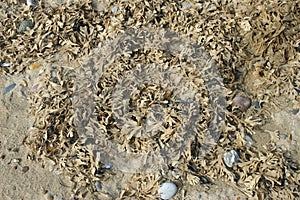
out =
column 254, row 44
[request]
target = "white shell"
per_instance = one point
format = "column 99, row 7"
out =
column 31, row 3
column 230, row 158
column 107, row 166
column 114, row 9
column 5, row 64
column 167, row 190
column 249, row 140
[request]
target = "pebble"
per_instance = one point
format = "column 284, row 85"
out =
column 99, row 171
column 35, row 87
column 298, row 48
column 256, row 104
column 25, row 169
column 167, row 190
column 14, row 150
column 243, row 103
column 98, row 186
column 54, row 79
column 282, row 135
column 231, row 158
column 295, row 111
column 24, row 25
column 9, row 88
column 186, row 5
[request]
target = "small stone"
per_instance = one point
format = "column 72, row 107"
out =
column 99, row 171
column 54, row 79
column 282, row 135
column 9, row 88
column 98, row 186
column 256, row 104
column 295, row 111
column 243, row 103
column 25, row 169
column 231, row 158
column 167, row 190
column 15, row 150
column 298, row 48
column 24, row 25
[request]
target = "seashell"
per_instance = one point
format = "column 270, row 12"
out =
column 5, row 64
column 9, row 88
column 24, row 25
column 231, row 158
column 243, row 103
column 114, row 9
column 249, row 140
column 35, row 66
column 31, row 3
column 167, row 190
column 282, row 135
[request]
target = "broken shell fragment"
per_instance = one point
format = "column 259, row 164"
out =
column 167, row 190
column 98, row 186
column 243, row 103
column 231, row 158
column 5, row 64
column 249, row 140
column 9, row 88
column 114, row 9
column 31, row 3
column 35, row 66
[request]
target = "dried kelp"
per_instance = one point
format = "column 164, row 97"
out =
column 254, row 44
